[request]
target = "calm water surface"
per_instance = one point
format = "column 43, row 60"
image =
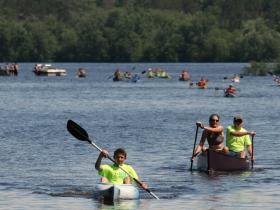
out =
column 44, row 167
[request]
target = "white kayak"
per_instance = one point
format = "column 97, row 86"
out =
column 118, row 191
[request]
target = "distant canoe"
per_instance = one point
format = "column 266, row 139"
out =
column 215, row 161
column 229, row 95
column 111, row 192
column 184, row 79
column 135, row 78
column 10, row 70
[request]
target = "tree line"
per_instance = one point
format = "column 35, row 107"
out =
column 139, row 30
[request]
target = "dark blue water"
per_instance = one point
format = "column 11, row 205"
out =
column 44, row 167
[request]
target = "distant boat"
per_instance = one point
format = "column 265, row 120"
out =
column 9, row 70
column 4, row 72
column 48, row 70
column 135, row 78
column 235, row 79
column 229, row 95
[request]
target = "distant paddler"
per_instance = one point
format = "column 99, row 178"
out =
column 230, row 91
column 202, row 83
column 234, row 78
column 117, row 75
column 81, row 72
column 277, row 80
column 150, row 73
column 184, row 76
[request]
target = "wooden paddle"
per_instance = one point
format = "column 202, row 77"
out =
column 194, row 147
column 78, row 132
column 252, row 159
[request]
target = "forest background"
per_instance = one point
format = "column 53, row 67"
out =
column 139, row 30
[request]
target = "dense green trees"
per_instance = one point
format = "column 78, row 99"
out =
column 140, row 30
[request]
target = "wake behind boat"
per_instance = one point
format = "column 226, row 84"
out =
column 112, row 192
column 211, row 161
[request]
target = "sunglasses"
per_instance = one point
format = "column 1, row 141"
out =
column 214, row 120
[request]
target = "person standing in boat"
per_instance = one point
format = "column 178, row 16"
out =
column 237, row 138
column 113, row 173
column 214, row 133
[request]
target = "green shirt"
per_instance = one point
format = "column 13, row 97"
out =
column 115, row 175
column 237, row 143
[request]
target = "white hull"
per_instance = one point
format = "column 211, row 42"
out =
column 48, row 70
column 118, row 191
column 235, row 80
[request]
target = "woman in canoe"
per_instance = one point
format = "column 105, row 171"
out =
column 214, row 133
column 113, row 173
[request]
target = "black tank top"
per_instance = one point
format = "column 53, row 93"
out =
column 215, row 138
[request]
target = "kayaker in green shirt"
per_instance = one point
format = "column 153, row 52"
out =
column 238, row 139
column 113, row 173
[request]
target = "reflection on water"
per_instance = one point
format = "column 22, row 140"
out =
column 119, row 205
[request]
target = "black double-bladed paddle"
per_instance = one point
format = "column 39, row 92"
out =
column 78, row 132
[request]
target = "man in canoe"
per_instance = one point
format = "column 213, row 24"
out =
column 214, row 133
column 113, row 173
column 237, row 138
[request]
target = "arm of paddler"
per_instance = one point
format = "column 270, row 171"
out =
column 103, row 154
column 242, row 133
column 200, row 147
column 133, row 178
column 215, row 130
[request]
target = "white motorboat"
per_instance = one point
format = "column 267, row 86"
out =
column 48, row 70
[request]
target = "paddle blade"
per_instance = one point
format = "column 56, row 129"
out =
column 77, row 131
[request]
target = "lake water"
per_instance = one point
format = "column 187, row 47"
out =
column 44, row 167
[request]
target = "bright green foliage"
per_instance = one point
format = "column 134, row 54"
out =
column 256, row 69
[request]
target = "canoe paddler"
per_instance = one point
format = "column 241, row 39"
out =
column 113, row 174
column 238, row 139
column 214, row 133
column 230, row 90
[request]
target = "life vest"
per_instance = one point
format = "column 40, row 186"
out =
column 231, row 90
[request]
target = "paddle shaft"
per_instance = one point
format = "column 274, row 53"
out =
column 252, row 158
column 194, row 146
column 136, row 180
